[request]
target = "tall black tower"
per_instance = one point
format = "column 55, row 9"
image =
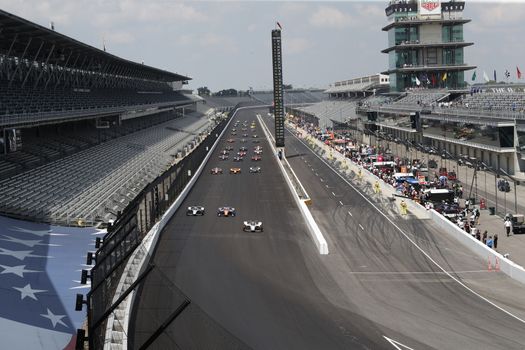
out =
column 278, row 87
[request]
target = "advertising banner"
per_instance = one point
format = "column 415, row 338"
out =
column 430, row 7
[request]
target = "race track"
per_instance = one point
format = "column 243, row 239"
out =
column 272, row 290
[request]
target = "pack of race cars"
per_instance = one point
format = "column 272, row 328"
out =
column 242, row 152
column 236, row 156
column 248, row 225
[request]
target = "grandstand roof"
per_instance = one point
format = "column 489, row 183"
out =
column 33, row 41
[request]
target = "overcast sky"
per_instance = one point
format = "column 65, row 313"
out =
column 227, row 44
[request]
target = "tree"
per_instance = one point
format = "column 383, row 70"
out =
column 203, row 91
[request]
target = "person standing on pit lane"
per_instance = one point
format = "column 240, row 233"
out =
column 495, row 240
column 508, row 226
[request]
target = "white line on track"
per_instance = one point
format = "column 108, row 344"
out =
column 349, row 213
column 334, row 194
column 316, row 174
column 413, row 242
column 397, row 344
column 412, row 272
column 361, row 227
column 341, row 203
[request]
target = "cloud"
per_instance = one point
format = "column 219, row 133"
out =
column 490, row 16
column 297, row 45
column 330, row 17
column 119, row 37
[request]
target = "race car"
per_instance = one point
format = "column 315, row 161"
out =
column 195, row 211
column 256, row 141
column 256, row 158
column 257, row 148
column 255, row 136
column 216, row 171
column 241, row 153
column 223, row 157
column 252, row 226
column 243, row 141
column 233, row 133
column 255, row 169
column 224, row 152
column 230, row 140
column 228, row 148
column 258, row 152
column 235, row 170
column 244, row 129
column 226, row 211
column 243, row 149
column 244, row 135
column 237, row 159
column 234, row 129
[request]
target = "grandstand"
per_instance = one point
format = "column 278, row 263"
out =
column 489, row 97
column 295, row 96
column 93, row 185
column 329, row 111
column 359, row 87
column 83, row 131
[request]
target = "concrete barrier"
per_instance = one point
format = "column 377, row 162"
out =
column 315, row 232
column 508, row 267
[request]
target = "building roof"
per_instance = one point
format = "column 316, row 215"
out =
column 20, row 37
column 416, row 45
column 419, row 21
column 431, row 68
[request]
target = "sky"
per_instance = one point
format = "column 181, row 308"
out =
column 226, row 44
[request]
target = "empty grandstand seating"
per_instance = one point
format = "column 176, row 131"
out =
column 18, row 100
column 95, row 183
column 50, row 145
column 326, row 111
column 291, row 96
column 506, row 101
column 422, row 98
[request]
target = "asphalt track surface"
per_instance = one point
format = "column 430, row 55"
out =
column 272, row 290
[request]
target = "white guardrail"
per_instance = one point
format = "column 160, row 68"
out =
column 493, row 258
column 315, row 232
column 118, row 323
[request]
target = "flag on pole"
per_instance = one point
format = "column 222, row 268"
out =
column 518, row 72
column 418, row 82
column 474, row 76
column 279, row 25
column 444, row 76
column 507, row 73
column 485, row 77
column 495, row 77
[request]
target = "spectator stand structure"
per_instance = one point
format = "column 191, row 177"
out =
column 61, row 104
column 344, row 97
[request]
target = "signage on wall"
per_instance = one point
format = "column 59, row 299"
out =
column 429, row 7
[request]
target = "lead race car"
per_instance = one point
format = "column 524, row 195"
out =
column 195, row 211
column 252, row 226
column 226, row 211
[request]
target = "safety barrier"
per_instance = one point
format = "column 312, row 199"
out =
column 508, row 267
column 299, row 194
